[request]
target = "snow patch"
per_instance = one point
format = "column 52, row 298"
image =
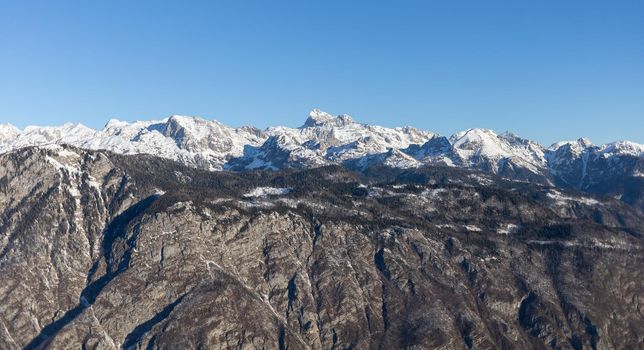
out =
column 562, row 199
column 433, row 192
column 264, row 192
column 507, row 229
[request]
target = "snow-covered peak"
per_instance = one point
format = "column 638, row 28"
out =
column 198, row 127
column 8, row 131
column 127, row 130
column 58, row 130
column 576, row 146
column 486, row 143
column 325, row 138
column 186, row 130
column 585, row 142
column 622, row 148
column 115, row 123
column 11, row 138
column 40, row 135
column 483, row 141
column 319, row 118
column 484, row 147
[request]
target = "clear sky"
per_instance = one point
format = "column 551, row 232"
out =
column 546, row 70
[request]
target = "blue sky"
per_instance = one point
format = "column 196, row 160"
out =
column 546, row 70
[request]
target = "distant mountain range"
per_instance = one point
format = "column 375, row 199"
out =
column 615, row 169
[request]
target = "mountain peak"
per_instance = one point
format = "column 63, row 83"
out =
column 195, row 126
column 186, row 121
column 473, row 136
column 622, row 148
column 115, row 123
column 67, row 129
column 7, row 126
column 576, row 146
column 584, row 142
column 7, row 129
column 183, row 118
column 318, row 118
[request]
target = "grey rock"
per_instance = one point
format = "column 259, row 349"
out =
column 105, row 251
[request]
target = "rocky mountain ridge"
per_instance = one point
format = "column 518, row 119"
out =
column 614, row 169
column 322, row 139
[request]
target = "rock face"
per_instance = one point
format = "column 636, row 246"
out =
column 105, row 251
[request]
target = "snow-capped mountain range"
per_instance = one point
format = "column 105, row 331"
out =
column 325, row 139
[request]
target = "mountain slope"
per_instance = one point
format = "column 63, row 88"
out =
column 98, row 252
